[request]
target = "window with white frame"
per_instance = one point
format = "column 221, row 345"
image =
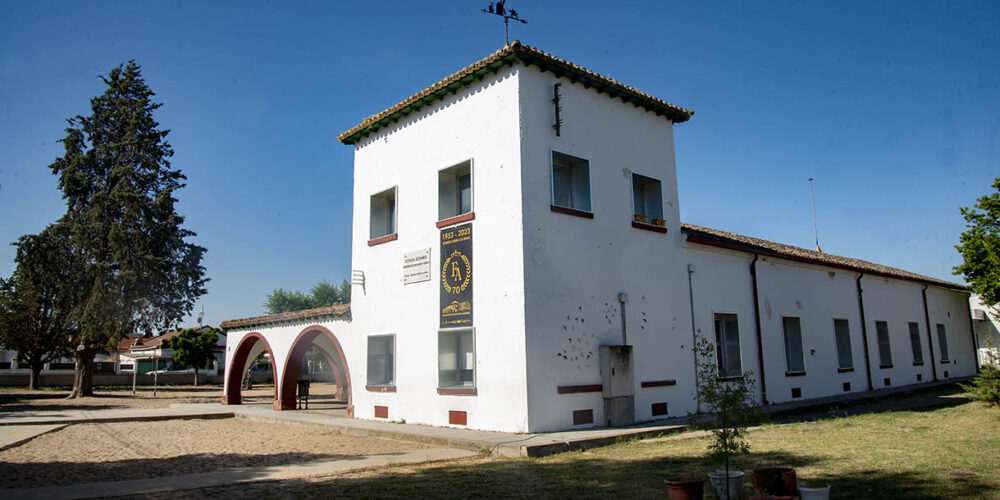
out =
column 570, row 182
column 943, row 343
column 647, row 200
column 918, row 351
column 456, row 358
column 455, row 190
column 727, row 345
column 845, row 359
column 884, row 348
column 381, row 360
column 792, row 329
column 383, row 214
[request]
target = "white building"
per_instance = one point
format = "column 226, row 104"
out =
column 515, row 217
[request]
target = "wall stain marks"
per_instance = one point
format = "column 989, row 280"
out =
column 798, row 304
column 578, row 350
column 767, row 308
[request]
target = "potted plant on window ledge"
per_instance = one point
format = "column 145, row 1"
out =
column 640, row 218
column 730, row 405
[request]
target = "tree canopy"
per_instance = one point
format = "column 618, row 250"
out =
column 141, row 273
column 194, row 347
column 979, row 245
column 322, row 294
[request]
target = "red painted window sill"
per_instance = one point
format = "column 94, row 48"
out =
column 572, row 211
column 649, row 227
column 444, row 391
column 845, row 370
column 380, row 388
column 795, row 374
column 658, row 383
column 458, row 219
column 884, row 367
column 578, row 389
column 729, row 379
column 915, row 363
column 383, row 239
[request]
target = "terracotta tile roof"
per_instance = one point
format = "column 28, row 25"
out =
column 504, row 57
column 714, row 237
column 334, row 311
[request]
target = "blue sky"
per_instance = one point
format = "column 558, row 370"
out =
column 893, row 107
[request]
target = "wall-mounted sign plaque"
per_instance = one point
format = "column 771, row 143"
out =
column 456, row 276
column 417, row 266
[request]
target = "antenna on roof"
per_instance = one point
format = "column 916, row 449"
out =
column 498, row 9
column 201, row 315
column 812, row 198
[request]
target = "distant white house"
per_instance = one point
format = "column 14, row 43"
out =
column 147, row 354
column 986, row 321
column 519, row 264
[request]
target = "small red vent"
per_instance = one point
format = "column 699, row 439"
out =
column 381, row 412
column 887, row 381
column 847, row 387
column 796, row 392
column 581, row 417
column 458, row 417
column 659, row 409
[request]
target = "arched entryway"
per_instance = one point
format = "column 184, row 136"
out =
column 328, row 345
column 248, row 349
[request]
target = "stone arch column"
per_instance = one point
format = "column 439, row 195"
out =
column 237, row 368
column 293, row 367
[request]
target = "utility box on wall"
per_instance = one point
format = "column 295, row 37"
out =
column 618, row 384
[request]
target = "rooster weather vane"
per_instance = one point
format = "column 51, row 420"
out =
column 498, row 9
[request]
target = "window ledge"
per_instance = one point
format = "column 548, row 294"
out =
column 572, row 211
column 795, row 374
column 884, row 367
column 578, row 389
column 380, row 388
column 383, row 239
column 649, row 227
column 945, row 361
column 729, row 379
column 845, row 370
column 915, row 363
column 457, row 391
column 658, row 383
column 458, row 219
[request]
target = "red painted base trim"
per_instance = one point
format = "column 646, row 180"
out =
column 457, row 392
column 572, row 211
column 458, row 417
column 649, row 227
column 658, row 383
column 577, row 389
column 380, row 388
column 458, row 219
column 287, row 404
column 350, row 411
column 384, row 239
column 231, row 400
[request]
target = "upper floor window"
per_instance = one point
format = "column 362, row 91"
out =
column 570, row 182
column 727, row 345
column 455, row 191
column 647, row 200
column 383, row 214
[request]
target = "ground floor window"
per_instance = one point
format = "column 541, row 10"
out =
column 943, row 342
column 884, row 348
column 456, row 358
column 381, row 360
column 727, row 345
column 845, row 359
column 792, row 328
column 918, row 351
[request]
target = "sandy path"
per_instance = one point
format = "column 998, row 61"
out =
column 89, row 453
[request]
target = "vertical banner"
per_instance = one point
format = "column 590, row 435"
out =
column 456, row 276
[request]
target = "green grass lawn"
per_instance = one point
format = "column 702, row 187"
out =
column 949, row 452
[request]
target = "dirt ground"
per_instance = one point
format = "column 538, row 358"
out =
column 87, row 453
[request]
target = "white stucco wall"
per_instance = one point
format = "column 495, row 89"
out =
column 952, row 310
column 987, row 331
column 478, row 123
column 575, row 267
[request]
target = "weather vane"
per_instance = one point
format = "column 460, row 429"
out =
column 498, row 9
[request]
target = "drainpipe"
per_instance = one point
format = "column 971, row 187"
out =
column 930, row 337
column 694, row 336
column 972, row 330
column 622, row 299
column 756, row 320
column 864, row 332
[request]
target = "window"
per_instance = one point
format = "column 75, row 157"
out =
column 943, row 342
column 456, row 359
column 918, row 352
column 381, row 360
column 845, row 359
column 727, row 345
column 884, row 353
column 793, row 345
column 647, row 200
column 383, row 214
column 455, row 191
column 570, row 182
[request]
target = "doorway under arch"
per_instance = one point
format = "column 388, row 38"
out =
column 249, row 348
column 328, row 345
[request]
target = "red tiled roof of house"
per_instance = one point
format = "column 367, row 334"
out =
column 504, row 57
column 334, row 311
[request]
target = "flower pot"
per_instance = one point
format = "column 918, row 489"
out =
column 814, row 492
column 718, row 479
column 659, row 222
column 775, row 481
column 640, row 218
column 685, row 489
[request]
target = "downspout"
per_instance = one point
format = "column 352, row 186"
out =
column 930, row 337
column 864, row 332
column 694, row 336
column 622, row 299
column 756, row 321
column 975, row 342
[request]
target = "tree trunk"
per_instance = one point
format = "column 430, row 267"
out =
column 36, row 374
column 83, row 378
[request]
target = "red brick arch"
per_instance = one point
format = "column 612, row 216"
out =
column 293, row 368
column 238, row 368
